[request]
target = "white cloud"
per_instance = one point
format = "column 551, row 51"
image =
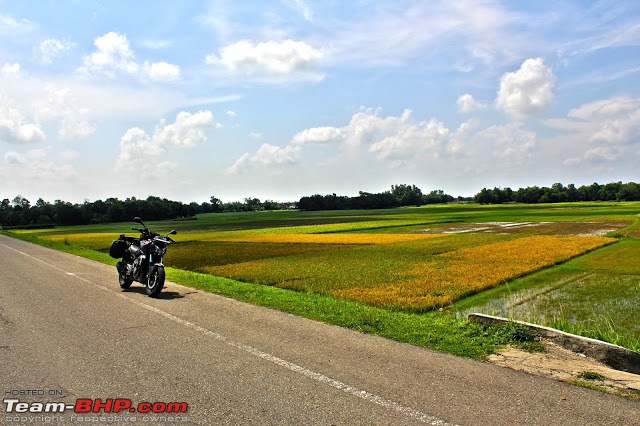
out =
column 378, row 147
column 14, row 129
column 135, row 146
column 159, row 171
column 458, row 34
column 318, row 135
column 60, row 104
column 395, row 140
column 467, row 103
column 603, row 153
column 269, row 58
column 51, row 49
column 509, row 142
column 162, row 71
column 388, row 137
column 32, row 165
column 8, row 24
column 409, row 139
column 303, row 8
column 114, row 55
column 617, row 120
column 69, row 155
column 460, row 138
column 528, row 91
column 10, row 70
column 187, row 130
column 13, row 157
column 366, row 126
column 602, row 130
column 266, row 156
column 618, row 35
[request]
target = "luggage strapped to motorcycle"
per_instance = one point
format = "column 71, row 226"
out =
column 118, row 247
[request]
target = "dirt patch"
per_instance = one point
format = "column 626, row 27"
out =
column 538, row 228
column 562, row 364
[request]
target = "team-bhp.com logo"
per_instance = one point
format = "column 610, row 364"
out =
column 85, row 407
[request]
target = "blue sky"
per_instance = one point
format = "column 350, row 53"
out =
column 280, row 99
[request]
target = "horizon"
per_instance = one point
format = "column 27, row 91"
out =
column 424, row 192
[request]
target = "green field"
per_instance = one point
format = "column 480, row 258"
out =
column 411, row 273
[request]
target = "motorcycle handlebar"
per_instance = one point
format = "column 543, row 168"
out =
column 149, row 233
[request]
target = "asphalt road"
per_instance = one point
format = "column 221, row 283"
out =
column 67, row 331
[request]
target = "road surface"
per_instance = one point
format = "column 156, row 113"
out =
column 68, row 334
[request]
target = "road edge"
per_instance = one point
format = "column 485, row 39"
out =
column 614, row 356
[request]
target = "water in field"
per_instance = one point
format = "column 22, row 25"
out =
column 597, row 295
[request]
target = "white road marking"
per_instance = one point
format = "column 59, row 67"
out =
column 351, row 390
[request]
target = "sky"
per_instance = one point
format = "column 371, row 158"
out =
column 278, row 99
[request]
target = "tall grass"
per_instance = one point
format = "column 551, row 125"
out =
column 601, row 328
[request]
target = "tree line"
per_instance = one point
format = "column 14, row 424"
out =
column 19, row 212
column 559, row 193
column 398, row 196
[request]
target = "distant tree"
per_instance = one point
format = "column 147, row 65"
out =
column 270, row 205
column 20, row 202
column 571, row 192
column 629, row 192
column 67, row 214
column 437, row 196
column 216, row 204
column 407, row 195
column 252, row 204
column 366, row 200
column 485, row 196
column 234, row 206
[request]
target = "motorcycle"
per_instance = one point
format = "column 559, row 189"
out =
column 141, row 258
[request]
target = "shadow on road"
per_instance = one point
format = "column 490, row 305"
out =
column 164, row 295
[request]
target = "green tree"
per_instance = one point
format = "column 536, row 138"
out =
column 216, row 204
column 407, row 195
column 252, row 204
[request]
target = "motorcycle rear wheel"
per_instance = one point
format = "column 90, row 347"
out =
column 155, row 282
column 124, row 281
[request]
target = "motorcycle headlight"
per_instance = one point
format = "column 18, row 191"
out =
column 160, row 251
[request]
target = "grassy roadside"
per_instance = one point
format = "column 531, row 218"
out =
column 436, row 330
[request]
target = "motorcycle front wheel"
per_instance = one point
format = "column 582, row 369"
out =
column 155, row 281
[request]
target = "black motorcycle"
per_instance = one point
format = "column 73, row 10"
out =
column 141, row 258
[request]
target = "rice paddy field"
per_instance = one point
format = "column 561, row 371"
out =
column 574, row 266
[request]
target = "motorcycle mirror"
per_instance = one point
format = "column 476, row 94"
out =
column 173, row 232
column 137, row 219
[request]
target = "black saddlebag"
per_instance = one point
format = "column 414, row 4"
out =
column 117, row 248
